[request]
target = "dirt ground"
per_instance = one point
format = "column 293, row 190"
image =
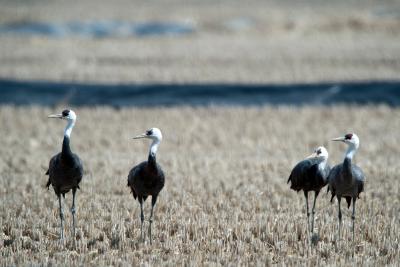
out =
column 226, row 201
column 234, row 41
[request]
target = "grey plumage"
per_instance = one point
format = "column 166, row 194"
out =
column 311, row 175
column 346, row 179
column 147, row 178
column 65, row 169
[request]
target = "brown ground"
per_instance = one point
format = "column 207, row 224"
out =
column 285, row 42
column 226, row 201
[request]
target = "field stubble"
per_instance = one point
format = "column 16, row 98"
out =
column 226, row 201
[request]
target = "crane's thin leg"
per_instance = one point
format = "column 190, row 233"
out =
column 73, row 211
column 340, row 217
column 308, row 211
column 61, row 217
column 153, row 203
column 141, row 218
column 353, row 216
column 313, row 211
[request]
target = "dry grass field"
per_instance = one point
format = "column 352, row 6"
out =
column 226, row 201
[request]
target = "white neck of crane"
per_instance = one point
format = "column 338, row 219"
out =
column 68, row 129
column 154, row 147
column 322, row 163
column 351, row 151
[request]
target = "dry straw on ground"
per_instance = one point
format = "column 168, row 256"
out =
column 226, row 201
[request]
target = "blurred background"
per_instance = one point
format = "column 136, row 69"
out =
column 60, row 47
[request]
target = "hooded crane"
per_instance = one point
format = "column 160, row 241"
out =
column 311, row 175
column 346, row 179
column 65, row 169
column 147, row 178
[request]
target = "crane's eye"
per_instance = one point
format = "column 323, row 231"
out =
column 319, row 151
column 65, row 113
column 348, row 136
column 149, row 132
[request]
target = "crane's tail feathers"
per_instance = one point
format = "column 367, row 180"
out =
column 348, row 200
column 48, row 184
column 47, row 172
column 78, row 187
column 290, row 178
column 134, row 193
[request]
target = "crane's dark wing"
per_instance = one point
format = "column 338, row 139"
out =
column 313, row 175
column 79, row 166
column 52, row 165
column 64, row 173
column 133, row 174
column 304, row 175
column 144, row 180
column 298, row 176
column 334, row 172
column 359, row 177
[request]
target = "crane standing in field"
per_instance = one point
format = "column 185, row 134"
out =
column 65, row 169
column 346, row 179
column 311, row 175
column 147, row 178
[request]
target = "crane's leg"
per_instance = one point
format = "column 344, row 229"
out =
column 61, row 217
column 308, row 211
column 339, row 216
column 73, row 211
column 141, row 218
column 353, row 216
column 313, row 211
column 153, row 203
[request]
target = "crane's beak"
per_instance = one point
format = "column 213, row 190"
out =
column 339, row 139
column 140, row 136
column 58, row 116
column 313, row 155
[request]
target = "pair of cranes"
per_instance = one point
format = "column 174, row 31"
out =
column 66, row 172
column 345, row 180
column 147, row 178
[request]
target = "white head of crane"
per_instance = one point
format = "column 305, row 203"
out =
column 153, row 134
column 68, row 115
column 352, row 140
column 321, row 155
